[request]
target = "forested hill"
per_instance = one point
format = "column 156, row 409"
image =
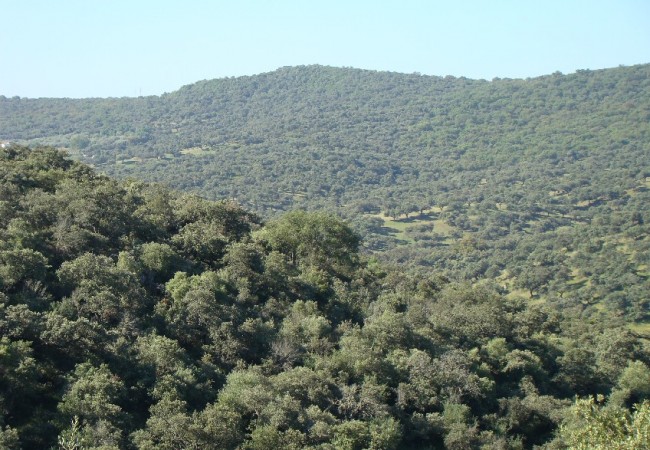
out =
column 538, row 184
column 321, row 136
column 328, row 137
column 308, row 136
column 135, row 317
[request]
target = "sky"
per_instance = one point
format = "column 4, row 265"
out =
column 116, row 48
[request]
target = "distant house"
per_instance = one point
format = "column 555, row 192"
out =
column 4, row 144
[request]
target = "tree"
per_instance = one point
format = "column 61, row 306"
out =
column 20, row 265
column 169, row 427
column 591, row 426
column 19, row 385
column 534, row 278
column 167, row 369
column 93, row 399
column 633, row 386
column 202, row 241
column 100, row 291
column 305, row 329
column 314, row 239
column 160, row 261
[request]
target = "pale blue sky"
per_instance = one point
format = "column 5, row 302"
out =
column 91, row 48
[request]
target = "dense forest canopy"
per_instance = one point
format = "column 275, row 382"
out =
column 320, row 136
column 539, row 184
column 348, row 259
column 136, row 317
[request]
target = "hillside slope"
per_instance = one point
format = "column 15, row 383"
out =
column 540, row 184
column 135, row 317
column 339, row 135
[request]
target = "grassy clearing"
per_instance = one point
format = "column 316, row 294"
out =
column 577, row 278
column 522, row 293
column 196, row 151
column 442, row 227
column 400, row 225
column 209, row 150
column 297, row 195
column 134, row 160
column 641, row 328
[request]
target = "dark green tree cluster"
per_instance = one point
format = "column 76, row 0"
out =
column 557, row 162
column 134, row 317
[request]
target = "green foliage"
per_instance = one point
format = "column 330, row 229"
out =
column 314, row 240
column 503, row 170
column 9, row 439
column 101, row 291
column 135, row 317
column 19, row 266
column 92, row 402
column 19, row 375
column 633, row 386
column 92, row 394
column 71, row 438
column 168, row 427
column 593, row 426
